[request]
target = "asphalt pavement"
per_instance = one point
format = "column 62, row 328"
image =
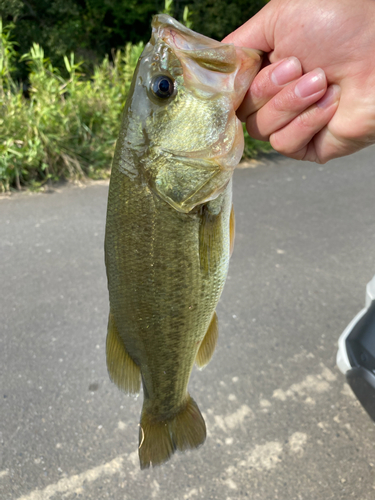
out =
column 282, row 423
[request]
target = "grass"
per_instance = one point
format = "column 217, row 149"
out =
column 253, row 147
column 68, row 124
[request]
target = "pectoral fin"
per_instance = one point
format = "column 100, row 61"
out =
column 121, row 368
column 208, row 344
column 232, row 231
column 210, row 236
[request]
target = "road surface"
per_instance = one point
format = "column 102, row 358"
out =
column 282, row 423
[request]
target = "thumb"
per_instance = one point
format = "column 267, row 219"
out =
column 257, row 32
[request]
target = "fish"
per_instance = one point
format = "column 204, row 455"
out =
column 170, row 225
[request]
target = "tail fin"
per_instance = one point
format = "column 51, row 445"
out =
column 159, row 440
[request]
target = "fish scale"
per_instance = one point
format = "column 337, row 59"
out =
column 169, row 229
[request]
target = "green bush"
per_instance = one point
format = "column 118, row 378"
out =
column 68, row 126
column 253, row 147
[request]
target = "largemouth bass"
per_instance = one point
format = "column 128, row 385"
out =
column 170, row 225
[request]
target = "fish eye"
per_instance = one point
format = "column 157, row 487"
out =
column 162, row 86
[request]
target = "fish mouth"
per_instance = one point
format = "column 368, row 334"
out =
column 208, row 64
column 180, row 37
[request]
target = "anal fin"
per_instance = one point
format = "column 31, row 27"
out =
column 207, row 347
column 121, row 368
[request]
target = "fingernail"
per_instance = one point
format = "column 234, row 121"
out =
column 287, row 71
column 332, row 95
column 311, row 83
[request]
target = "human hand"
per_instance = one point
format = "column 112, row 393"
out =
column 335, row 35
column 289, row 109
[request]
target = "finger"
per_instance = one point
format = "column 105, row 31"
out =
column 287, row 105
column 257, row 32
column 348, row 131
column 268, row 82
column 298, row 139
column 327, row 146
